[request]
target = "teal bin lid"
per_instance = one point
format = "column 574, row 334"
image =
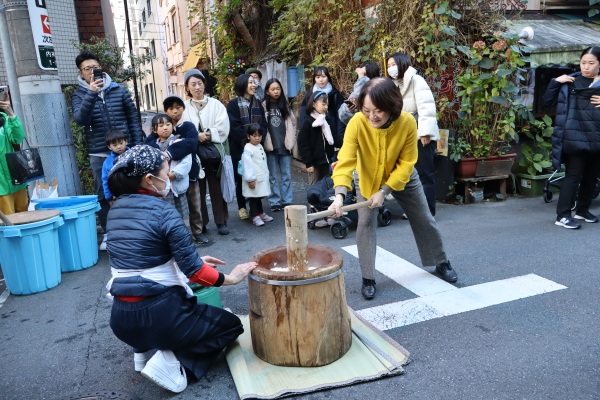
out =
column 64, row 203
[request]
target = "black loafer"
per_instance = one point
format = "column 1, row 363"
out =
column 200, row 238
column 275, row 207
column 368, row 288
column 223, row 229
column 446, row 272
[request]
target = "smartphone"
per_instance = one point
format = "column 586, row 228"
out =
column 350, row 103
column 3, row 93
column 98, row 74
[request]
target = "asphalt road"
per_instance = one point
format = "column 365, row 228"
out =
column 58, row 343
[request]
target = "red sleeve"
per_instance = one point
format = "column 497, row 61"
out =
column 207, row 276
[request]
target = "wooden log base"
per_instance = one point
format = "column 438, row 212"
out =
column 299, row 325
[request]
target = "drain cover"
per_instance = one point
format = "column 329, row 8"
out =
column 101, row 395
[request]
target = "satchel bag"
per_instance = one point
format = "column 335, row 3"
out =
column 24, row 165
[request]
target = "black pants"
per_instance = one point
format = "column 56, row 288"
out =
column 241, row 200
column 256, row 207
column 581, row 171
column 426, row 172
column 195, row 332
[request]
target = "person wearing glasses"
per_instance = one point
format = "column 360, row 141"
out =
column 100, row 105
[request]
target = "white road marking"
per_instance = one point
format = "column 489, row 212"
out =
column 4, row 296
column 408, row 275
column 439, row 301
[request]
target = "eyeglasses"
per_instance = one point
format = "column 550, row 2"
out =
column 91, row 67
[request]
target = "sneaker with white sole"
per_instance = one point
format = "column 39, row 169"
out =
column 164, row 370
column 258, row 221
column 140, row 359
column 265, row 217
column 243, row 213
column 103, row 244
column 568, row 223
column 587, row 217
column 322, row 223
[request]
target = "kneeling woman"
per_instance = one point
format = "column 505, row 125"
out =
column 149, row 247
column 381, row 145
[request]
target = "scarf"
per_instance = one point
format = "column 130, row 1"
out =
column 249, row 111
column 162, row 146
column 320, row 121
column 105, row 84
column 327, row 88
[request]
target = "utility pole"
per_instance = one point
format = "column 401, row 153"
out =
column 135, row 87
column 43, row 108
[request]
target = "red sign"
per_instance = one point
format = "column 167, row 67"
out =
column 45, row 24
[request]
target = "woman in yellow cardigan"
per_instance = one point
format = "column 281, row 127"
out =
column 380, row 143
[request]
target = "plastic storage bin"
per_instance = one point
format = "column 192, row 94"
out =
column 30, row 256
column 530, row 185
column 207, row 295
column 77, row 237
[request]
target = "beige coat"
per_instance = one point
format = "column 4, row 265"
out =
column 290, row 131
column 418, row 101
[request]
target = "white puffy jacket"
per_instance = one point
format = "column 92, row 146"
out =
column 418, row 101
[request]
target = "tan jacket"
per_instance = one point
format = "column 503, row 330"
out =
column 291, row 133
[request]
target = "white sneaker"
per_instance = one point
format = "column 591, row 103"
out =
column 140, row 359
column 164, row 370
column 103, row 244
column 258, row 221
column 321, row 223
column 265, row 217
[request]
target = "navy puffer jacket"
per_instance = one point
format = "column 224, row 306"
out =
column 577, row 122
column 144, row 232
column 188, row 132
column 116, row 111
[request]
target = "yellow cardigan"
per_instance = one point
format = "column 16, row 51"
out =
column 380, row 156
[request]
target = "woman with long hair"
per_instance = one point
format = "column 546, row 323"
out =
column 576, row 137
column 243, row 110
column 280, row 140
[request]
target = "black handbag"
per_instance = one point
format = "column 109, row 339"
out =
column 24, row 165
column 208, row 153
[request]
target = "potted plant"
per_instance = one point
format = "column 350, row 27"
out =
column 533, row 168
column 488, row 107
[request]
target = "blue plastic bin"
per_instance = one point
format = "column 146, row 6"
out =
column 30, row 256
column 77, row 237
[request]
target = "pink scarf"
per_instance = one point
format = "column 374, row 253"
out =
column 320, row 121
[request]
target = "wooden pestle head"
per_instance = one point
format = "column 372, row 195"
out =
column 296, row 237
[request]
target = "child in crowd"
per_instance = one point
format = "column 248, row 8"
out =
column 175, row 107
column 176, row 187
column 116, row 141
column 280, row 140
column 255, row 175
column 316, row 142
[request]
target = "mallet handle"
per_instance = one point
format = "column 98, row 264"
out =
column 327, row 213
column 5, row 220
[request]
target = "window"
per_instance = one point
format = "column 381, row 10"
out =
column 147, row 97
column 144, row 17
column 140, row 28
column 149, row 7
column 153, row 48
column 152, row 94
column 175, row 27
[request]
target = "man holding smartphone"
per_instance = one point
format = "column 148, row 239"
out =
column 99, row 104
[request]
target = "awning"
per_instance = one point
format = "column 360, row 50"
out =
column 196, row 53
column 557, row 41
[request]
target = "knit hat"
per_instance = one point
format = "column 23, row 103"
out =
column 254, row 71
column 191, row 72
column 138, row 161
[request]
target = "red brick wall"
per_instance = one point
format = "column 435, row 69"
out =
column 89, row 19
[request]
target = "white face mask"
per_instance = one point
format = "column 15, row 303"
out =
column 257, row 82
column 393, row 72
column 167, row 188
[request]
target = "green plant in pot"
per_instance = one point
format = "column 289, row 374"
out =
column 489, row 107
column 536, row 153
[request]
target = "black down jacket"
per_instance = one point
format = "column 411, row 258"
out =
column 116, row 111
column 577, row 123
column 312, row 146
column 144, row 232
